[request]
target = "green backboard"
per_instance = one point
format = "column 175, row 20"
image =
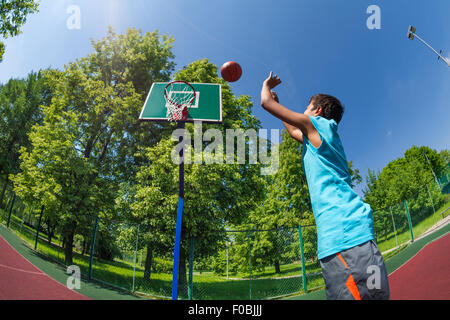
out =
column 207, row 105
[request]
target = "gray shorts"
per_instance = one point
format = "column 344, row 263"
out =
column 357, row 273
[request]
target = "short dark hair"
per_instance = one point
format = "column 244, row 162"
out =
column 331, row 106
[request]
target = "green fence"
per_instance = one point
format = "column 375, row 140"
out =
column 249, row 264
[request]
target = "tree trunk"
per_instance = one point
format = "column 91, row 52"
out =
column 50, row 231
column 84, row 250
column 68, row 250
column 277, row 267
column 3, row 191
column 148, row 262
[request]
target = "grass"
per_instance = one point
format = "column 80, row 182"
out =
column 404, row 236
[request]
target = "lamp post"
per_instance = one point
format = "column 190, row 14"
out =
column 412, row 34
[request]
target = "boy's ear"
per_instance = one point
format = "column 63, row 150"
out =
column 319, row 111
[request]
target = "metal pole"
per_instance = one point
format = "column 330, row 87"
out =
column 423, row 41
column 176, row 254
column 250, row 265
column 304, row 279
column 408, row 216
column 412, row 33
column 91, row 256
column 429, row 163
column 226, row 243
column 10, row 210
column 191, row 267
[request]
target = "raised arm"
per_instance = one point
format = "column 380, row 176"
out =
column 294, row 119
column 294, row 132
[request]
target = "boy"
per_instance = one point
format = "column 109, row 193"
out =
column 351, row 263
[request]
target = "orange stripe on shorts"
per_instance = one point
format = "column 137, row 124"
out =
column 342, row 259
column 351, row 285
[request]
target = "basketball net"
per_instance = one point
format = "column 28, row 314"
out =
column 180, row 96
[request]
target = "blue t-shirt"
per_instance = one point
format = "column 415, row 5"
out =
column 343, row 220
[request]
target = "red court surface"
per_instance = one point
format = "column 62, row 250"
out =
column 426, row 276
column 21, row 280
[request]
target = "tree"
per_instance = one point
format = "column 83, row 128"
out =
column 52, row 173
column 20, row 101
column 13, row 15
column 94, row 109
column 411, row 178
column 402, row 178
column 354, row 174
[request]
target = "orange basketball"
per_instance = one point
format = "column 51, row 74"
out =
column 231, row 71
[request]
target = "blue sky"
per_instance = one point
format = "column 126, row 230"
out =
column 395, row 91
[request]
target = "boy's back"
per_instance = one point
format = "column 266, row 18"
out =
column 343, row 220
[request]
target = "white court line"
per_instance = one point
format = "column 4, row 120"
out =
column 21, row 270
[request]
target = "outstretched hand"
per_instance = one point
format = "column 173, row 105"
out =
column 272, row 81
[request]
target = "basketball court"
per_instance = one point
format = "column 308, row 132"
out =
column 426, row 276
column 21, row 280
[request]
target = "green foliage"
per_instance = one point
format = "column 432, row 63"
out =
column 219, row 263
column 13, row 15
column 162, row 265
column 402, row 178
column 74, row 163
column 20, row 102
column 2, row 51
column 354, row 174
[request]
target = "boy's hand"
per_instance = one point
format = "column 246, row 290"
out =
column 272, row 81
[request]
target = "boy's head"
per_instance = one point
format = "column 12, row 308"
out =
column 325, row 106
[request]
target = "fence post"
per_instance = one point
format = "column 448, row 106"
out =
column 91, row 256
column 10, row 210
column 191, row 267
column 226, row 243
column 409, row 221
column 135, row 257
column 304, row 279
column 250, row 265
column 38, row 228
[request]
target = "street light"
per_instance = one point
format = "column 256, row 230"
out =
column 412, row 33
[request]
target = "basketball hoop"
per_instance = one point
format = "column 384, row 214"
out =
column 179, row 95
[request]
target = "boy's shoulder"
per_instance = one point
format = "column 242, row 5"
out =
column 324, row 125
